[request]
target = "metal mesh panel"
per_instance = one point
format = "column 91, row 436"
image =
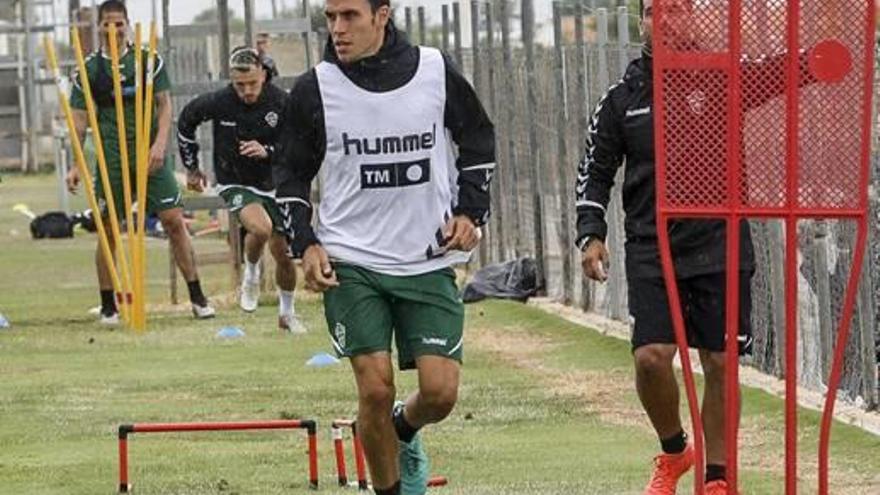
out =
column 695, row 131
column 697, row 111
column 830, row 137
column 764, row 143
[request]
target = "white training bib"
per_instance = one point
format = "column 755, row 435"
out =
column 388, row 180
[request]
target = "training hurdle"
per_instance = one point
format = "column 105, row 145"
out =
column 724, row 151
column 338, row 428
column 310, row 426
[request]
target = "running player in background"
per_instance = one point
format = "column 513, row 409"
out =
column 246, row 117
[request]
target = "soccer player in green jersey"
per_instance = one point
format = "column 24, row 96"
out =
column 163, row 193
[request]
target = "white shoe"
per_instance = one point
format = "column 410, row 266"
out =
column 250, row 296
column 109, row 320
column 203, row 312
column 291, row 324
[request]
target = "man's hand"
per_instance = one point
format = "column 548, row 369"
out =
column 593, row 260
column 72, row 180
column 157, row 157
column 318, row 270
column 461, row 234
column 196, row 180
column 253, row 149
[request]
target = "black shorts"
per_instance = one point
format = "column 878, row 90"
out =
column 703, row 308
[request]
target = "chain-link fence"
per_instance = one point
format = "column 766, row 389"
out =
column 540, row 95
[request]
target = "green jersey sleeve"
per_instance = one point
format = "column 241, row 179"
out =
column 77, row 99
column 161, row 81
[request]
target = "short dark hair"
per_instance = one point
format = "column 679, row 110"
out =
column 379, row 3
column 244, row 58
column 112, row 6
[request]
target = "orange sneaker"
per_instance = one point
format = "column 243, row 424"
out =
column 718, row 487
column 668, row 468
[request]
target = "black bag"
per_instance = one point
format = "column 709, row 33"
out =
column 516, row 280
column 52, row 225
column 86, row 220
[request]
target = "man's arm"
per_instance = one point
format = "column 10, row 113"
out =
column 474, row 133
column 196, row 112
column 160, row 145
column 297, row 158
column 603, row 156
column 164, row 113
column 78, row 105
column 767, row 77
column 80, row 124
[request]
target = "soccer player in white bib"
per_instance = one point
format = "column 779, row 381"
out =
column 405, row 153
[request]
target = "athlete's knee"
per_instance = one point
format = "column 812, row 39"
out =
column 278, row 248
column 714, row 364
column 260, row 233
column 438, row 402
column 653, row 358
column 173, row 224
column 377, row 397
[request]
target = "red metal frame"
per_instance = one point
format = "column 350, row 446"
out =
column 729, row 205
column 338, row 426
column 125, row 430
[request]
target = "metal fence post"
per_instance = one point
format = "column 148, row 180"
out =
column 534, row 161
column 562, row 156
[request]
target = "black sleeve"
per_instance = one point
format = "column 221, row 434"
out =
column 297, row 158
column 278, row 106
column 197, row 111
column 604, row 155
column 474, row 134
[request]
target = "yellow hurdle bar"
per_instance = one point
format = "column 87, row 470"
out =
column 123, row 156
column 81, row 164
column 105, row 178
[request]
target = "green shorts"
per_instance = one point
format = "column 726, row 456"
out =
column 423, row 312
column 237, row 197
column 163, row 193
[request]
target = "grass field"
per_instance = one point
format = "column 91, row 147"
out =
column 547, row 407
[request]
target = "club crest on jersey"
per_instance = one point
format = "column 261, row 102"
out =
column 339, row 333
column 389, row 145
column 272, row 119
column 697, row 101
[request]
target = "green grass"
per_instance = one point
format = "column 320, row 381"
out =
column 546, row 406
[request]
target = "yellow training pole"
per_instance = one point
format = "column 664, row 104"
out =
column 123, row 156
column 80, row 160
column 146, row 129
column 137, row 242
column 102, row 168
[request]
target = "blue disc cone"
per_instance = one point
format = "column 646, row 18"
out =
column 321, row 360
column 230, row 333
column 4, row 323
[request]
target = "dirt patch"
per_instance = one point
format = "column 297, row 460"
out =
column 610, row 395
column 603, row 393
